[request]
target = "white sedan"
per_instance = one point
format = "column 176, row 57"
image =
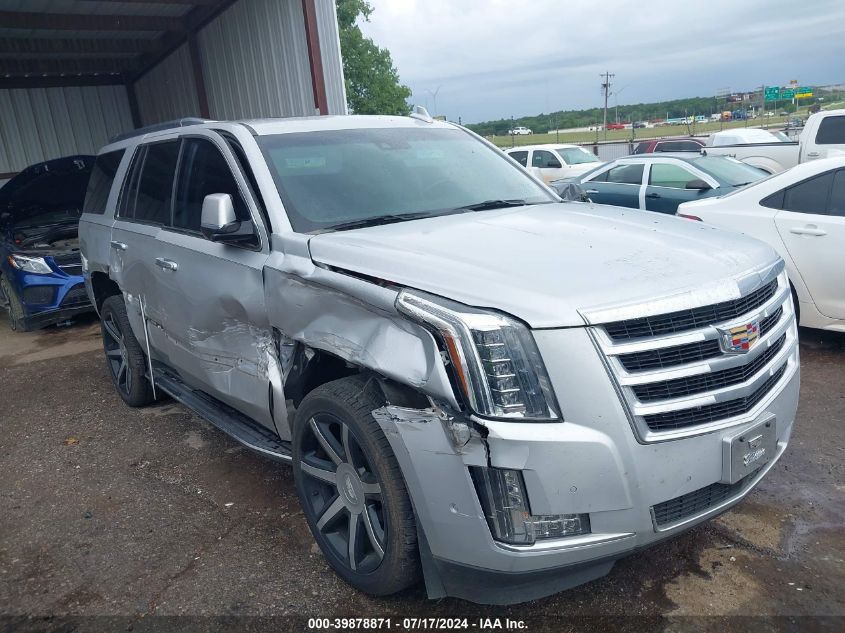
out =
column 800, row 213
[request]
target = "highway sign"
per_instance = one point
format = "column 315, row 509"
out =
column 772, row 94
column 787, row 93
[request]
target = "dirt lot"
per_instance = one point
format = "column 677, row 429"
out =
column 110, row 511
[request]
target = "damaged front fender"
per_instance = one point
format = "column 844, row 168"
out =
column 350, row 318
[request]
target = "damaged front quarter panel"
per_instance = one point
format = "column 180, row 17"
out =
column 350, row 318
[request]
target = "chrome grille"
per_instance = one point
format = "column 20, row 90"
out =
column 703, row 415
column 72, row 269
column 684, row 320
column 658, row 358
column 687, row 382
column 706, row 382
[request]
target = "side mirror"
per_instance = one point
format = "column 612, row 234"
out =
column 219, row 222
column 698, row 184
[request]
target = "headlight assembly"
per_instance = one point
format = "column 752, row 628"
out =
column 495, row 358
column 35, row 265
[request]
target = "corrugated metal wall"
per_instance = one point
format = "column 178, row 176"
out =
column 39, row 124
column 255, row 61
column 255, row 64
column 167, row 91
column 330, row 52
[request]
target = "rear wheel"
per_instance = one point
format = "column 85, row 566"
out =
column 125, row 360
column 352, row 490
column 16, row 312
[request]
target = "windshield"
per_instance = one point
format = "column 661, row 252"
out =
column 340, row 177
column 577, row 155
column 729, row 170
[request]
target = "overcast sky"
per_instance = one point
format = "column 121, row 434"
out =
column 497, row 58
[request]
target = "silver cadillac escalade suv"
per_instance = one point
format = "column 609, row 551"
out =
column 475, row 383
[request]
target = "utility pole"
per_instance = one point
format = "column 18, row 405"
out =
column 606, row 87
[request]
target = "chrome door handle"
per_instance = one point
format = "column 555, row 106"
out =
column 652, row 195
column 591, row 191
column 166, row 264
column 807, row 230
column 118, row 246
column 812, row 154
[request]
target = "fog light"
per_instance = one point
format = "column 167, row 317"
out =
column 505, row 504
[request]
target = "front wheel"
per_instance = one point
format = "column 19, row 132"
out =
column 125, row 360
column 351, row 488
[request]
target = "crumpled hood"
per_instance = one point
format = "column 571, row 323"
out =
column 545, row 263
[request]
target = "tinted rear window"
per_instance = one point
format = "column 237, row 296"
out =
column 100, row 184
column 837, row 194
column 831, row 131
column 809, row 196
column 155, row 186
column 520, row 157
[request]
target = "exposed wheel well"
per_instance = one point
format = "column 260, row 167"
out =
column 312, row 368
column 103, row 288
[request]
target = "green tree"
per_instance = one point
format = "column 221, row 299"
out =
column 372, row 82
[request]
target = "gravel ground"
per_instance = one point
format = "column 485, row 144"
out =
column 132, row 514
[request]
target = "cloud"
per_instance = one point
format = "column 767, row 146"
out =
column 497, row 58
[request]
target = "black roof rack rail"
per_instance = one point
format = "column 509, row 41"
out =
column 158, row 127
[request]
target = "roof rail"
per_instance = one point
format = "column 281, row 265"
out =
column 158, row 127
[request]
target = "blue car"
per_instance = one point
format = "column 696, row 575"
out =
column 660, row 182
column 40, row 264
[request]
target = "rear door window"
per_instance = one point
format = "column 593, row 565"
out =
column 831, row 131
column 836, row 206
column 543, row 159
column 520, row 157
column 809, row 196
column 101, row 181
column 622, row 174
column 672, row 176
column 203, row 170
column 155, row 183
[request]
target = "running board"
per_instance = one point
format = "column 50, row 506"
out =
column 235, row 424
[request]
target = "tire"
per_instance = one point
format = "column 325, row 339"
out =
column 15, row 307
column 371, row 501
column 125, row 361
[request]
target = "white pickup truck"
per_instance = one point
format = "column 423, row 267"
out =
column 823, row 136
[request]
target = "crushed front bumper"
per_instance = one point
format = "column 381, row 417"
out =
column 593, row 462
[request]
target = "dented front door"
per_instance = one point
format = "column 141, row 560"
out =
column 210, row 296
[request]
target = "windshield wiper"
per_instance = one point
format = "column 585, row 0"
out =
column 493, row 204
column 378, row 220
column 742, row 184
